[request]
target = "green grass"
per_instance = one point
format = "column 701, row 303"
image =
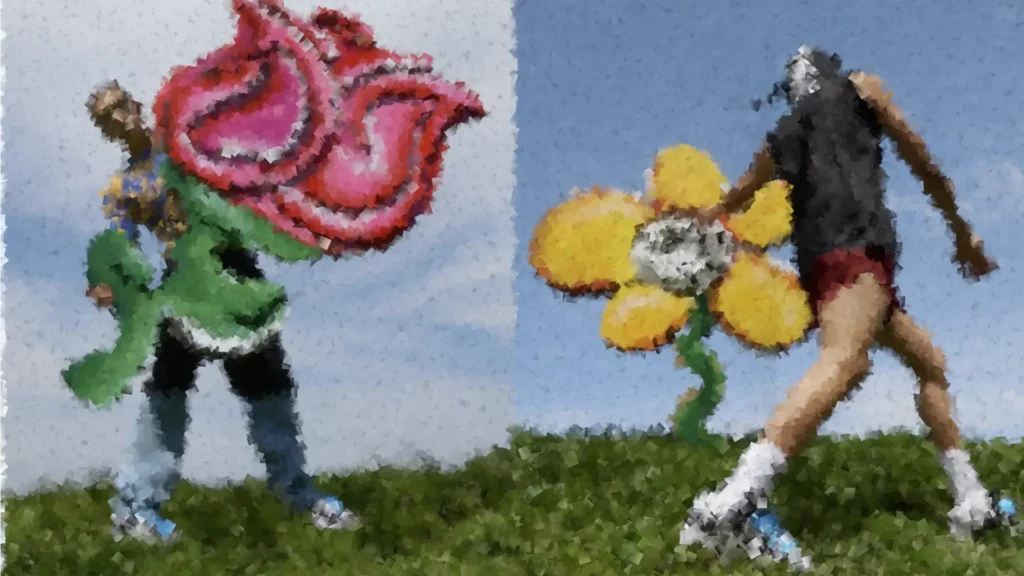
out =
column 550, row 505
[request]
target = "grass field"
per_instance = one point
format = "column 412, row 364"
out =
column 550, row 505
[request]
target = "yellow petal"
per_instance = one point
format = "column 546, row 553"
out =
column 643, row 317
column 686, row 178
column 761, row 304
column 769, row 220
column 583, row 244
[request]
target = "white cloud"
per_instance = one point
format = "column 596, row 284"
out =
column 999, row 190
column 560, row 420
column 885, row 403
column 989, row 190
column 366, row 391
column 356, row 409
column 1007, row 15
column 461, row 292
column 905, row 202
column 355, row 425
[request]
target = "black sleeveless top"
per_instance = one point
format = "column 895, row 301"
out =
column 828, row 147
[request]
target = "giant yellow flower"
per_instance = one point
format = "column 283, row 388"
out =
column 592, row 243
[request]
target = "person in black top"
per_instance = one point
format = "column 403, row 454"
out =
column 828, row 148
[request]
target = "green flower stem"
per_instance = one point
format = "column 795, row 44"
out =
column 199, row 289
column 247, row 229
column 698, row 405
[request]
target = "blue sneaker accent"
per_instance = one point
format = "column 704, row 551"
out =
column 777, row 540
column 765, row 522
column 146, row 525
column 786, row 545
column 334, row 505
column 163, row 526
column 762, row 534
column 1006, row 507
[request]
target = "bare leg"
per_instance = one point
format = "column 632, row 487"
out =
column 974, row 507
column 914, row 347
column 850, row 324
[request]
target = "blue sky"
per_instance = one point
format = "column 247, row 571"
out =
column 440, row 343
column 396, row 353
column 603, row 85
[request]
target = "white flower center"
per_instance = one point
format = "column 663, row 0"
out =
column 681, row 255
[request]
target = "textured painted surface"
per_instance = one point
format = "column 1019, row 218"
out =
column 396, row 353
column 425, row 342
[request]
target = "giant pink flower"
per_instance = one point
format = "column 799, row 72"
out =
column 313, row 126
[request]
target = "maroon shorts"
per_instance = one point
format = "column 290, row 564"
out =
column 840, row 268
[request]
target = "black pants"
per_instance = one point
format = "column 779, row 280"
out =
column 261, row 378
column 263, row 372
column 253, row 376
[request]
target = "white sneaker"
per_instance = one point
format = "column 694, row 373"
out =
column 979, row 510
column 755, row 530
column 145, row 526
column 330, row 514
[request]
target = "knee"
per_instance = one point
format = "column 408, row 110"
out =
column 935, row 364
column 853, row 361
column 929, row 366
column 860, row 363
column 857, row 369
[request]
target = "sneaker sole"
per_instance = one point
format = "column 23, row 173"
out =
column 121, row 531
column 726, row 543
column 349, row 522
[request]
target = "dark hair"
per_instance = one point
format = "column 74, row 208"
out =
column 828, row 67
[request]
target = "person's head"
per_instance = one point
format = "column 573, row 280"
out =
column 806, row 71
column 119, row 117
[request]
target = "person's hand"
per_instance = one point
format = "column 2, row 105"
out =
column 970, row 255
column 101, row 295
column 709, row 215
column 705, row 216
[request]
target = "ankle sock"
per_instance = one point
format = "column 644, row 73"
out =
column 963, row 478
column 752, row 478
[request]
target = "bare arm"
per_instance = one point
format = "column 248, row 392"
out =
column 760, row 172
column 128, row 202
column 969, row 249
column 133, row 200
column 912, row 150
